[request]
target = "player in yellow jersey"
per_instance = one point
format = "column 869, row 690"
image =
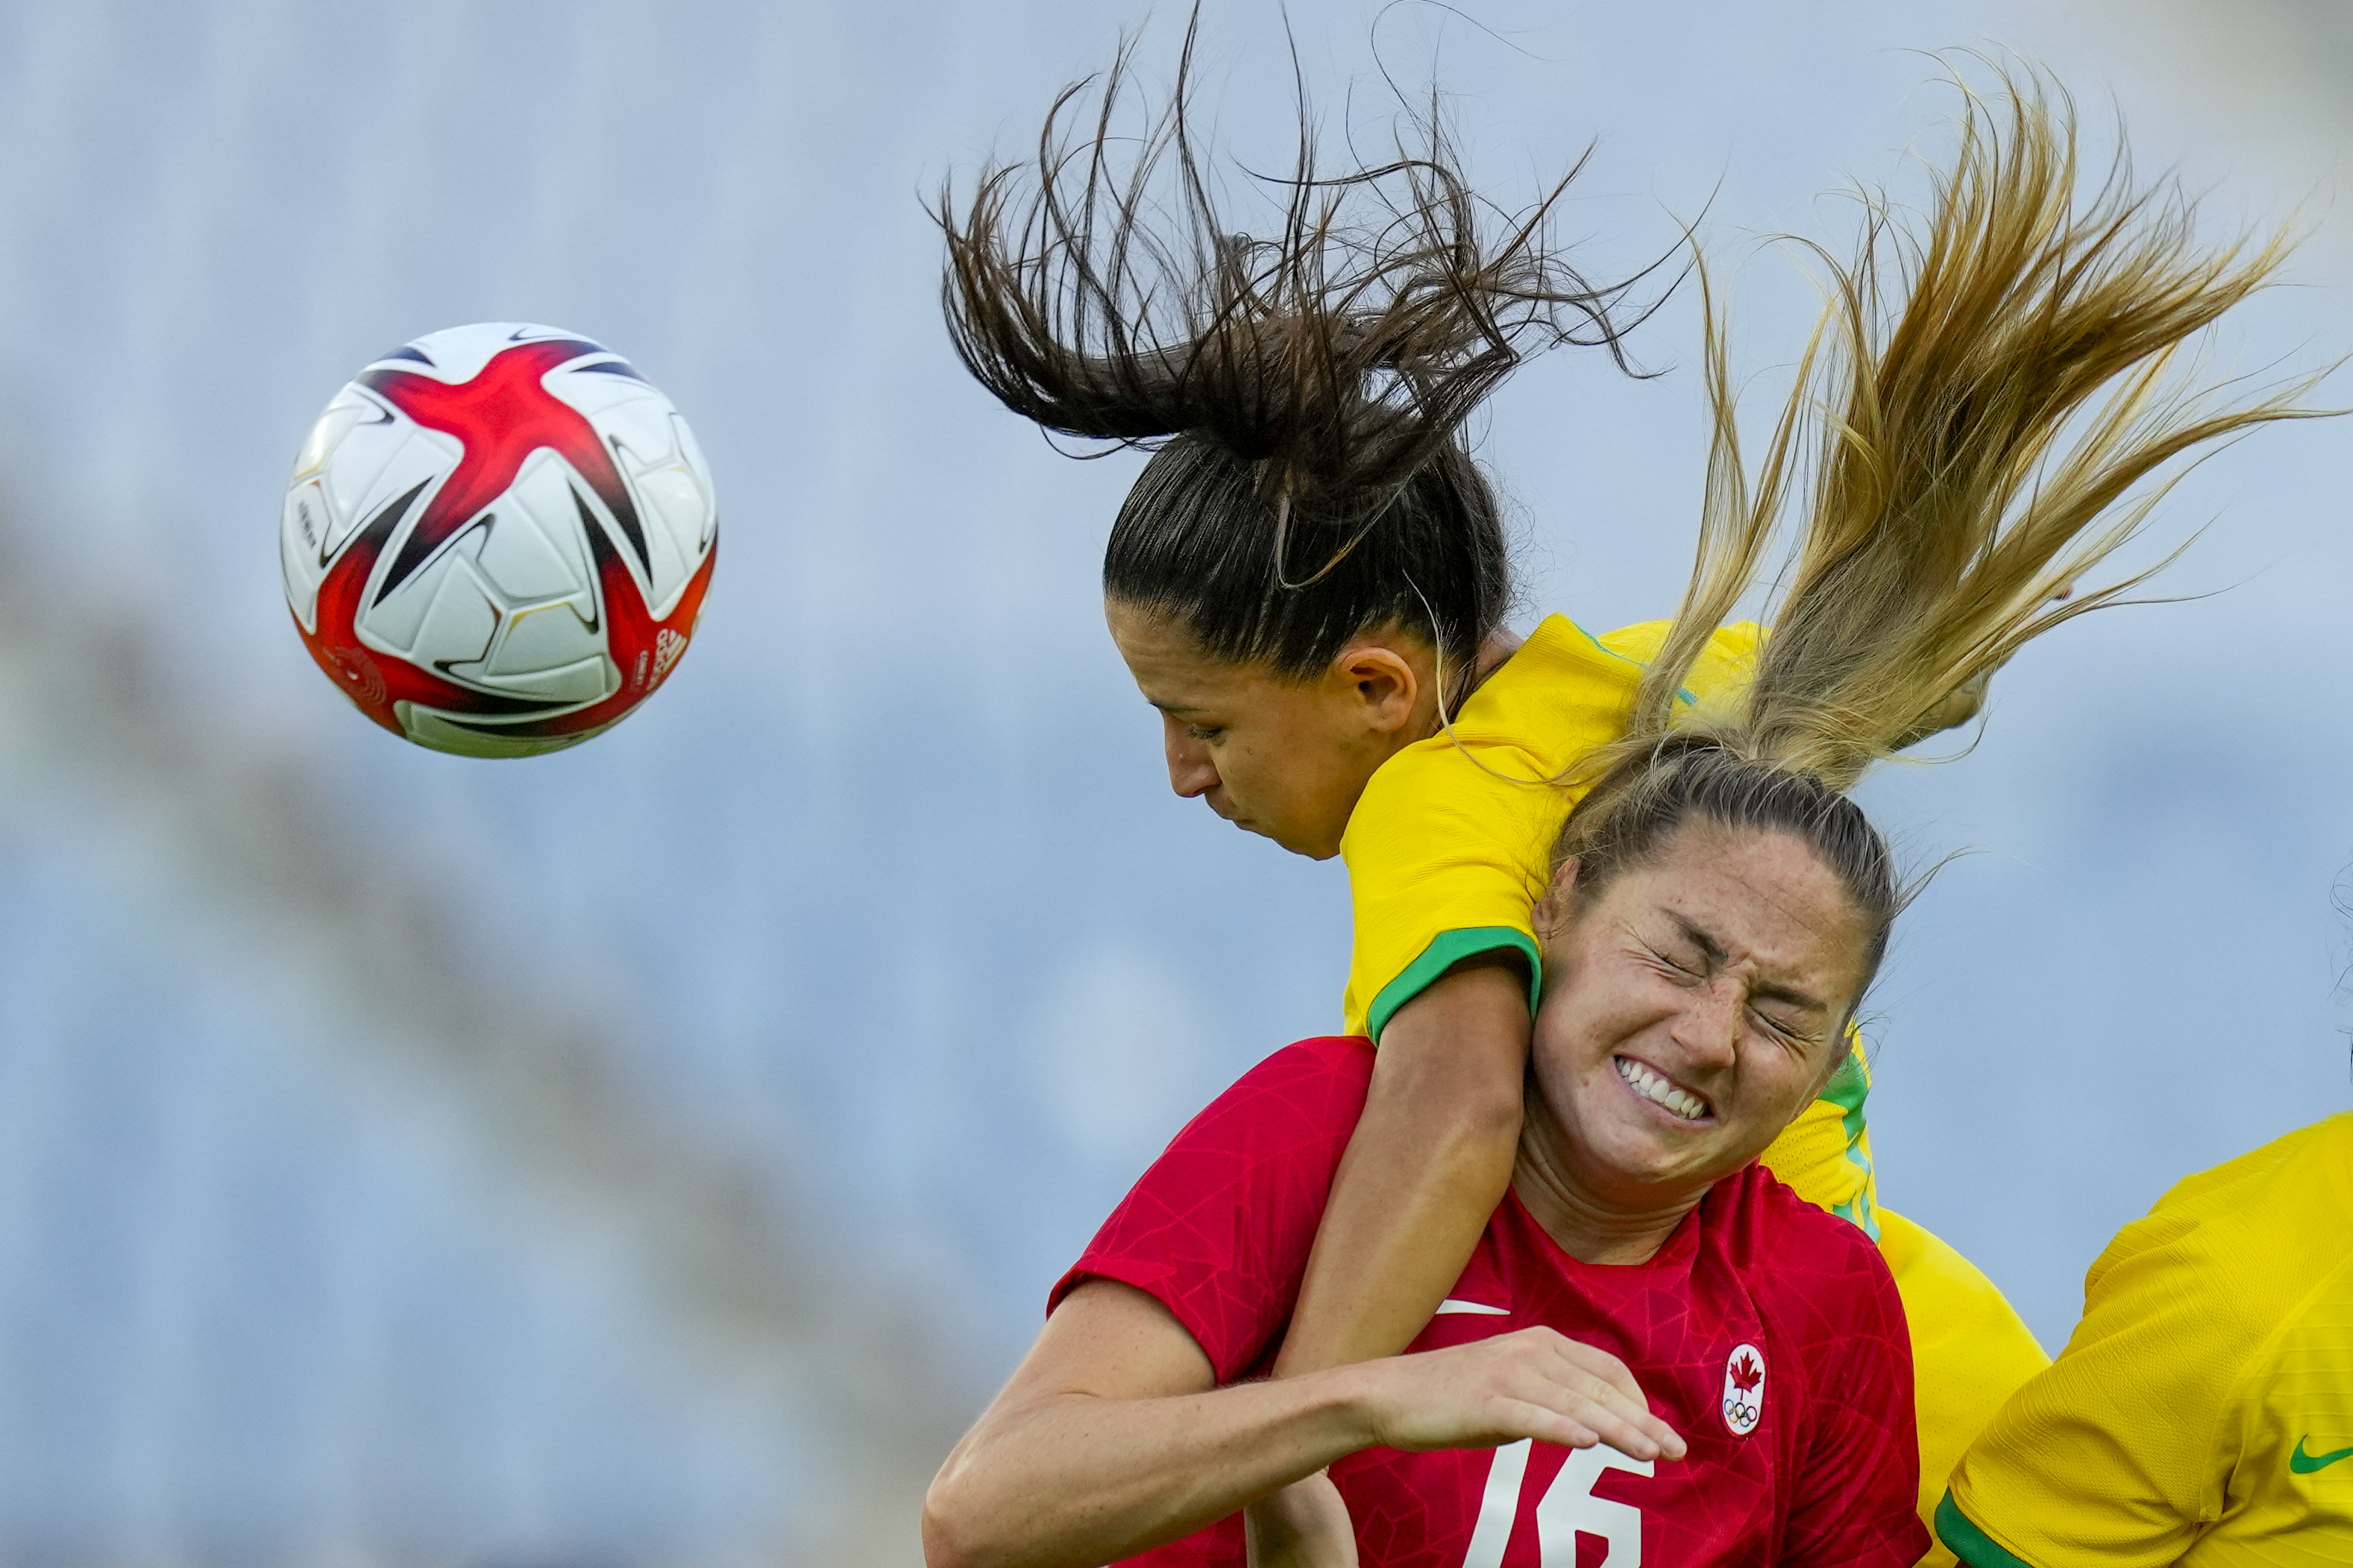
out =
column 2202, row 1414
column 1310, row 580
column 1439, row 849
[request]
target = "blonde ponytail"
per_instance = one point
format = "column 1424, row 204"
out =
column 1961, row 455
column 1972, row 446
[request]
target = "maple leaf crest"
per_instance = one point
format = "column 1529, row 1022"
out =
column 1746, row 1373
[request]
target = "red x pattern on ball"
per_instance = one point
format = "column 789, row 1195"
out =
column 500, row 417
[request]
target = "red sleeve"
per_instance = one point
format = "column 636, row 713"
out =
column 1219, row 1227
column 1859, row 1488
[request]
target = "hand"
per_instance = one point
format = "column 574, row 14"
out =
column 1304, row 1525
column 1533, row 1384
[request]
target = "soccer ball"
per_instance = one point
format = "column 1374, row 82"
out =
column 497, row 539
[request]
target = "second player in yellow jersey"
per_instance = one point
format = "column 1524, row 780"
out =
column 2203, row 1412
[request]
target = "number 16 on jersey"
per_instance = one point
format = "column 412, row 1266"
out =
column 1567, row 1509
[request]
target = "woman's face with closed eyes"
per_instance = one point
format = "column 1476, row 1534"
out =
column 1691, row 1008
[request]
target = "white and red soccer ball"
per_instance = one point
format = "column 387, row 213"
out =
column 497, row 540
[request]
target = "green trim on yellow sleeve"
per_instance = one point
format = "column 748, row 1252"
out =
column 1446, row 950
column 1848, row 1087
column 1967, row 1543
column 1682, row 693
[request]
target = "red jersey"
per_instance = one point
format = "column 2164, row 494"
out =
column 1765, row 1331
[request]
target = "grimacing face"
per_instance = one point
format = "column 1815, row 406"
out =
column 1690, row 1011
column 1285, row 758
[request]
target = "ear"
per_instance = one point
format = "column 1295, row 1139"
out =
column 1559, row 905
column 1382, row 680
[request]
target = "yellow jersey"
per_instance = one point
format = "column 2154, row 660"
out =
column 1451, row 845
column 2203, row 1412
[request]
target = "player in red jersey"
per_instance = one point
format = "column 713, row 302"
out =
column 1771, row 1341
column 1700, row 971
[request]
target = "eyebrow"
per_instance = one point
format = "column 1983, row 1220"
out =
column 1714, row 952
column 1175, row 707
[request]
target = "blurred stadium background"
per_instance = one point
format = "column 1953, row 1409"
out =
column 653, row 1153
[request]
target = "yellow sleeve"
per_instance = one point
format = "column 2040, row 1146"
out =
column 1451, row 845
column 1445, row 860
column 2110, row 1455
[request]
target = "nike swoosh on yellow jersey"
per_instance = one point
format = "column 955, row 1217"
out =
column 2304, row 1464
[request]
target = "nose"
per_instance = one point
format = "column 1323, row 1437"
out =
column 1191, row 774
column 1709, row 1028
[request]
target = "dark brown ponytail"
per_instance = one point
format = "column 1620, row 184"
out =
column 1306, row 391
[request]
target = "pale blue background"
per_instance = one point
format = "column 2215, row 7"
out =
column 881, row 921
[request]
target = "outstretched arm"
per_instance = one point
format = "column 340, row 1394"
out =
column 1110, row 1440
column 1430, row 1160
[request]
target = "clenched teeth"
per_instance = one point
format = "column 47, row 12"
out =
column 1659, row 1091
